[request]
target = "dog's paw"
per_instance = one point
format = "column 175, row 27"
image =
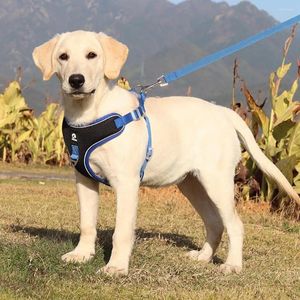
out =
column 114, row 270
column 228, row 269
column 199, row 256
column 77, row 256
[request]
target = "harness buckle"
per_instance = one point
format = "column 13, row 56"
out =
column 74, row 154
column 149, row 154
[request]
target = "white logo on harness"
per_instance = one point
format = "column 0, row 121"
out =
column 74, row 137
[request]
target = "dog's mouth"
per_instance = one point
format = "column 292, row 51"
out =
column 81, row 94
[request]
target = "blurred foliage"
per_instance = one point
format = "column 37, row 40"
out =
column 26, row 138
column 277, row 133
column 124, row 83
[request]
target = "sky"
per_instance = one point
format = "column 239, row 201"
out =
column 279, row 9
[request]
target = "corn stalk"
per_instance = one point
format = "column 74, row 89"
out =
column 279, row 132
column 23, row 137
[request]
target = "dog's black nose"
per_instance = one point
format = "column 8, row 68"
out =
column 76, row 81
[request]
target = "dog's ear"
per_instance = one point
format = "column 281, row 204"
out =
column 42, row 57
column 115, row 55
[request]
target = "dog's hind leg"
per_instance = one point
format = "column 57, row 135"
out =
column 219, row 186
column 196, row 194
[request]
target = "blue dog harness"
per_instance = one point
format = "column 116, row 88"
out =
column 81, row 141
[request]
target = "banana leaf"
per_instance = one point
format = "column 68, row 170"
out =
column 294, row 141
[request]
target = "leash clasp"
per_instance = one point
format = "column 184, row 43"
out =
column 161, row 81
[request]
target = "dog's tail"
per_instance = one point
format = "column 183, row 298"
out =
column 247, row 139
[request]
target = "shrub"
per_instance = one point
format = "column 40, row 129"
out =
column 278, row 135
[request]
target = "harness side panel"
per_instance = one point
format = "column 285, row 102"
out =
column 79, row 139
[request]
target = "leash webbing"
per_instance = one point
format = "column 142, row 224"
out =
column 207, row 60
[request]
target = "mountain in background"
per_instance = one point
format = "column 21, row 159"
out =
column 161, row 37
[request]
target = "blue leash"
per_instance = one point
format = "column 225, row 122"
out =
column 207, row 60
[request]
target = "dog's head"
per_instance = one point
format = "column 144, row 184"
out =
column 81, row 59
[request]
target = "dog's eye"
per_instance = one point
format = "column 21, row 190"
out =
column 91, row 55
column 64, row 56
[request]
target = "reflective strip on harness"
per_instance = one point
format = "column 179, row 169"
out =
column 132, row 116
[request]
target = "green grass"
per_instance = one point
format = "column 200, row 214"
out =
column 39, row 223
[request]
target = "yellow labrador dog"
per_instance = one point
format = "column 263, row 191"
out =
column 195, row 145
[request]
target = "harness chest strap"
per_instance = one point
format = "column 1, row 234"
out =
column 81, row 141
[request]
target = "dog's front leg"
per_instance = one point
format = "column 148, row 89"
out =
column 88, row 195
column 124, row 235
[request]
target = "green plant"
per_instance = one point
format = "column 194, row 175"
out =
column 278, row 133
column 23, row 137
column 46, row 143
column 16, row 122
